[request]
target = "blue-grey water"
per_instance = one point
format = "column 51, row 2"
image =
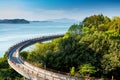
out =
column 13, row 33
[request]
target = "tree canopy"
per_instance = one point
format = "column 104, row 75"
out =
column 94, row 43
column 6, row 72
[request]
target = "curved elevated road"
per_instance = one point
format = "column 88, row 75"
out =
column 30, row 71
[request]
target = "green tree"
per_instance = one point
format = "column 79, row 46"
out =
column 72, row 71
column 75, row 29
column 86, row 69
column 6, row 72
column 96, row 41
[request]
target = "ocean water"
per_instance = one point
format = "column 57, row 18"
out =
column 11, row 34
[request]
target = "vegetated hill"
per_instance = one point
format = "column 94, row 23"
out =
column 89, row 48
column 6, row 72
column 14, row 21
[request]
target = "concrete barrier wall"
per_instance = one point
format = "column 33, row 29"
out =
column 18, row 68
column 30, row 71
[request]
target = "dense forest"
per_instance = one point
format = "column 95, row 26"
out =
column 90, row 48
column 6, row 72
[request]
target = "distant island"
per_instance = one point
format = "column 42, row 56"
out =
column 14, row 21
column 24, row 21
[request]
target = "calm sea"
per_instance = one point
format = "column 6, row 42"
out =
column 13, row 33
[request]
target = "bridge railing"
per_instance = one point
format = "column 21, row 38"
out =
column 32, row 73
column 37, row 39
column 32, row 70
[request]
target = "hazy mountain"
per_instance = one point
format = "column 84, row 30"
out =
column 63, row 20
column 58, row 20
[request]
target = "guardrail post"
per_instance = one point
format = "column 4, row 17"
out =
column 30, row 73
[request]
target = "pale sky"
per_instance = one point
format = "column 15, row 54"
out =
column 57, row 9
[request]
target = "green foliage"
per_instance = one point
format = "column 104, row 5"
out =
column 86, row 69
column 24, row 54
column 94, row 41
column 6, row 72
column 96, row 20
column 75, row 29
column 72, row 71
